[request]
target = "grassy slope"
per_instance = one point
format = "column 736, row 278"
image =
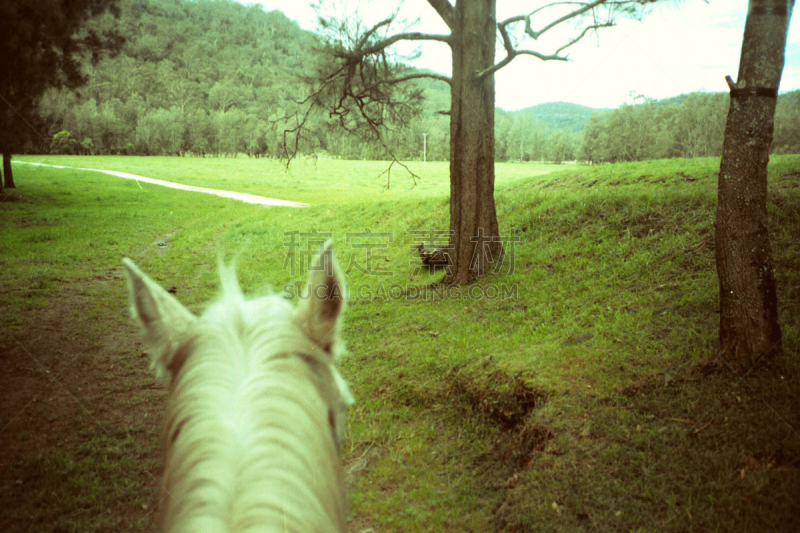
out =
column 571, row 407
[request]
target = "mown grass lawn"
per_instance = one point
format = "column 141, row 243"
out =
column 561, row 394
column 307, row 180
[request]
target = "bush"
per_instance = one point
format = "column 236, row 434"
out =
column 63, row 143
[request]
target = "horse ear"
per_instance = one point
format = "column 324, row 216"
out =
column 320, row 311
column 162, row 317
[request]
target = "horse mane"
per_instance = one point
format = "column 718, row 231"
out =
column 254, row 419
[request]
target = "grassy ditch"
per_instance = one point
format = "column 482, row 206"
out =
column 561, row 393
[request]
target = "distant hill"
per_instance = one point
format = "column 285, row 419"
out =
column 554, row 115
column 559, row 115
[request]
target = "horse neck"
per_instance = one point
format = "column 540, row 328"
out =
column 249, row 447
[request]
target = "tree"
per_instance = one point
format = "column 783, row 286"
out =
column 594, row 147
column 787, row 124
column 365, row 79
column 231, row 132
column 8, row 182
column 653, row 130
column 200, row 133
column 561, row 147
column 749, row 328
column 698, row 125
column 42, row 47
column 63, row 143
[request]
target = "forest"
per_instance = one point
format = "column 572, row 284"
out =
column 221, row 78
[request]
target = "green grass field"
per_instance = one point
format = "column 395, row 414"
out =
column 561, row 394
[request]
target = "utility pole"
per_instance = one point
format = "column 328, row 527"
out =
column 425, row 148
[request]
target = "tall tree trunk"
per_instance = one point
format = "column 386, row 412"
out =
column 7, row 174
column 473, row 217
column 749, row 328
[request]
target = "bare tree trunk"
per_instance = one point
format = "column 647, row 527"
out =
column 7, row 174
column 473, row 217
column 749, row 328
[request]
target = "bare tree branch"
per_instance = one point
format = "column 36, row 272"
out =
column 580, row 11
column 389, row 41
column 388, row 171
column 529, row 17
column 300, row 122
column 585, row 7
column 358, row 91
column 445, row 10
column 431, row 75
column 369, row 33
column 586, row 30
column 512, row 52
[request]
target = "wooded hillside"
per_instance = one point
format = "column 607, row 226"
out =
column 218, row 77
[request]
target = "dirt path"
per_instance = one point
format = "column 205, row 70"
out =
column 79, row 417
column 241, row 196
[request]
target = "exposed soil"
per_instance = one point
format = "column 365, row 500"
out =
column 67, row 385
column 503, row 402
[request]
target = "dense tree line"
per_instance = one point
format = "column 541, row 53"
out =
column 691, row 127
column 521, row 137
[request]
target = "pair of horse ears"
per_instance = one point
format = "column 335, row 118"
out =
column 164, row 319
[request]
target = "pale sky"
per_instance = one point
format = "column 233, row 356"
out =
column 680, row 47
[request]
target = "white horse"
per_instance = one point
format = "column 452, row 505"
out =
column 256, row 412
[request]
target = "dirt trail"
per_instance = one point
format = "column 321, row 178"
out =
column 241, row 196
column 79, row 416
